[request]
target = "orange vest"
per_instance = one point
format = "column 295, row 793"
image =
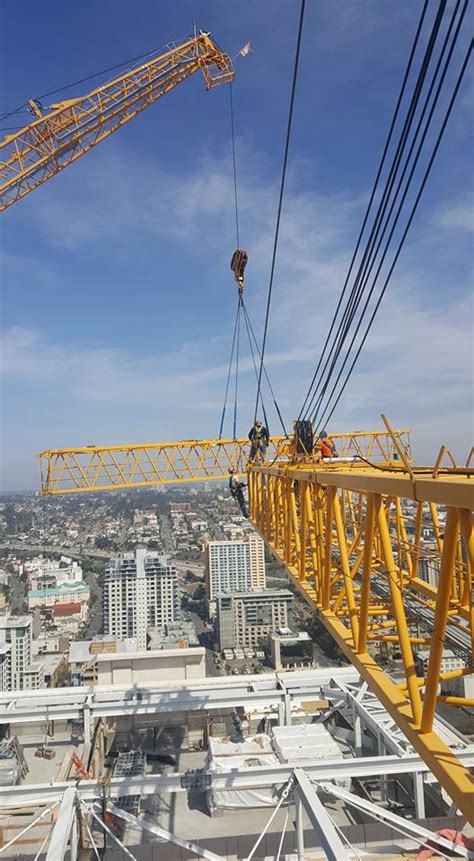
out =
column 327, row 448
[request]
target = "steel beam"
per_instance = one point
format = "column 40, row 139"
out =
column 251, row 778
column 145, row 825
column 320, row 819
column 406, row 825
column 89, row 704
column 64, row 831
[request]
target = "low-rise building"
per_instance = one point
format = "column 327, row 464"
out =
column 82, row 659
column 291, row 650
column 33, row 676
column 71, row 610
column 176, row 635
column 55, row 669
column 246, row 619
column 162, row 665
column 67, row 593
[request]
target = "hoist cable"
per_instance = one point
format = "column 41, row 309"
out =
column 280, row 202
column 237, row 367
column 234, row 165
column 357, row 291
column 412, row 214
column 229, row 371
column 246, row 321
column 275, row 402
column 428, row 123
column 371, row 200
column 370, row 255
column 365, row 271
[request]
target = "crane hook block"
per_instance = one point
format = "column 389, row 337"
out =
column 238, row 264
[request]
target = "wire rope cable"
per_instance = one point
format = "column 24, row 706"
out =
column 365, row 274
column 229, row 371
column 371, row 199
column 237, row 370
column 275, row 402
column 407, row 227
column 234, row 163
column 280, row 201
column 246, row 321
column 356, row 292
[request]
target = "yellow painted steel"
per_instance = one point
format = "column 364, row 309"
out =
column 54, row 140
column 366, row 586
column 75, row 470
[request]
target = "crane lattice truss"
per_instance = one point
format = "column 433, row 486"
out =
column 352, row 549
column 74, row 470
column 54, row 140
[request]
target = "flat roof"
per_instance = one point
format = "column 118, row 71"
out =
column 15, row 621
column 63, row 589
column 151, row 654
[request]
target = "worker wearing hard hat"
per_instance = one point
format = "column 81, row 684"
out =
column 236, row 488
column 259, row 439
column 325, row 446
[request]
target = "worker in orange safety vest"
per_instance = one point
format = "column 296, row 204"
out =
column 326, row 446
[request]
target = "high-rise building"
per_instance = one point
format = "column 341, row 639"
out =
column 258, row 579
column 16, row 632
column 234, row 566
column 140, row 591
column 245, row 619
column 5, row 667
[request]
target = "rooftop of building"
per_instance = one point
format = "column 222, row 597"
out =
column 34, row 667
column 5, row 648
column 173, row 634
column 80, row 650
column 15, row 622
column 290, row 636
column 258, row 593
column 149, row 654
column 70, row 609
column 77, row 587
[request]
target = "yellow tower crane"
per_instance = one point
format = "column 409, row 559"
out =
column 56, row 139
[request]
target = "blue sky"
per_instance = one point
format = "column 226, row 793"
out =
column 117, row 301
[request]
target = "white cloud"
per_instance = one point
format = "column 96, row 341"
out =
column 415, row 365
column 459, row 216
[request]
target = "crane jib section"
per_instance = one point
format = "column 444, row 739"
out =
column 75, row 470
column 51, row 142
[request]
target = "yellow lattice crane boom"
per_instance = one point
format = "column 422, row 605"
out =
column 54, row 140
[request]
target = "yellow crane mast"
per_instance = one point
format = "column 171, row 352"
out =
column 56, row 139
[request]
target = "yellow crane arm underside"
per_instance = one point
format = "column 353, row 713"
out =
column 75, row 470
column 43, row 148
column 352, row 540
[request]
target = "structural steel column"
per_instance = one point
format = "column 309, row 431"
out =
column 441, row 615
column 299, row 825
column 320, row 819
